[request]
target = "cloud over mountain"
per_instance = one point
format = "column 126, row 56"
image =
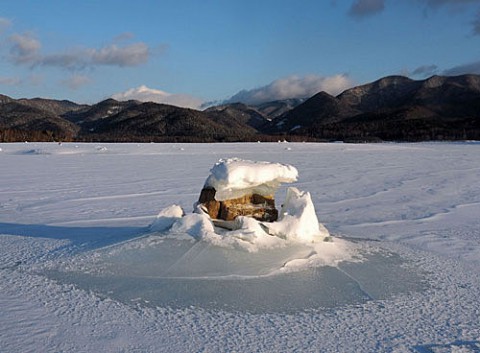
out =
column 24, row 48
column 146, row 94
column 425, row 70
column 293, row 87
column 469, row 68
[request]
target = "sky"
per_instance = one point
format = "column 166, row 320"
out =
column 193, row 53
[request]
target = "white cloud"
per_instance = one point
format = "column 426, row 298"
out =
column 130, row 55
column 293, row 87
column 75, row 59
column 425, row 70
column 76, row 81
column 145, row 94
column 112, row 55
column 24, row 49
column 469, row 68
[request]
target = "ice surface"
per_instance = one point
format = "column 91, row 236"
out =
column 80, row 269
column 235, row 177
column 177, row 274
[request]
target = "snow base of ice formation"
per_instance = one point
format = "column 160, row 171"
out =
column 297, row 223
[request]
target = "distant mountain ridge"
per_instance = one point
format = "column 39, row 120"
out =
column 393, row 108
column 159, row 122
column 35, row 120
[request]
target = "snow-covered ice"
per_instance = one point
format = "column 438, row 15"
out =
column 82, row 270
column 235, row 177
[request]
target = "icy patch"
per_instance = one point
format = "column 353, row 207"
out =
column 187, row 261
column 180, row 274
column 234, row 177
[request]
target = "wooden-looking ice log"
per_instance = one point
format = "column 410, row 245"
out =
column 260, row 207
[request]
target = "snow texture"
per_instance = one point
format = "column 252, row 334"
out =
column 234, row 177
column 298, row 219
column 166, row 218
column 81, row 270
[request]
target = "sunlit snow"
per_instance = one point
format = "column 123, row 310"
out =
column 101, row 249
column 235, row 177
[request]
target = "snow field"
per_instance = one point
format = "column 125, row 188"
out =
column 81, row 271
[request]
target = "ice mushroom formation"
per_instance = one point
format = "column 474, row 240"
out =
column 235, row 179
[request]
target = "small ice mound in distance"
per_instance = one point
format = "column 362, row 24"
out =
column 236, row 179
column 35, row 151
column 101, row 148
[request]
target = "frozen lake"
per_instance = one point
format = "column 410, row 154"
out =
column 82, row 272
column 178, row 275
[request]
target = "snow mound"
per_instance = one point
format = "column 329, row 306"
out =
column 195, row 225
column 234, row 178
column 166, row 218
column 297, row 224
column 298, row 219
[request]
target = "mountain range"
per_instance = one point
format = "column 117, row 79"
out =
column 393, row 108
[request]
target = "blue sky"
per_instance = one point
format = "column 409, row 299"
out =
column 187, row 52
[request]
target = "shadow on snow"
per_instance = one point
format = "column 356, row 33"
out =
column 85, row 238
